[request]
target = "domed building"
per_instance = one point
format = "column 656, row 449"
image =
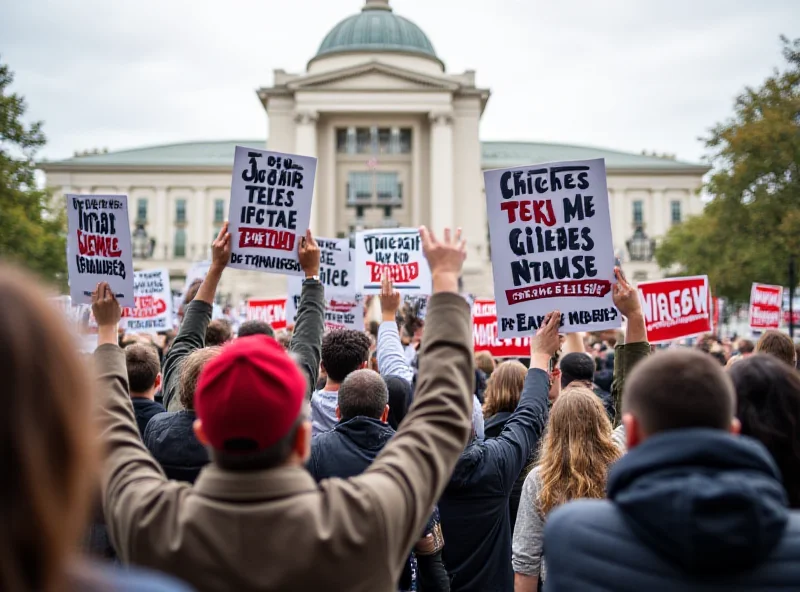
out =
column 397, row 141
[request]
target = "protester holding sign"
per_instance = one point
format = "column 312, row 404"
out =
column 397, row 252
column 270, row 209
column 153, row 297
column 99, row 246
column 766, row 303
column 676, row 307
column 550, row 232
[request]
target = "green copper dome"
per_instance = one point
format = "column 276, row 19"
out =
column 376, row 28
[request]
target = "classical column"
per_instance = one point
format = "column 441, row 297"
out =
column 306, row 145
column 441, row 166
column 659, row 224
column 415, row 194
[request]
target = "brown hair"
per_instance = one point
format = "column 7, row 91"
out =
column 777, row 344
column 484, row 361
column 48, row 439
column 143, row 367
column 190, row 372
column 678, row 389
column 219, row 332
column 504, row 388
column 577, row 450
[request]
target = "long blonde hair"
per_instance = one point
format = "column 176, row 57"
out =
column 577, row 450
column 504, row 388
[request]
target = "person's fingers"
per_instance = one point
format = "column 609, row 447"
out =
column 221, row 234
column 555, row 320
column 447, row 240
column 310, row 238
column 462, row 247
column 428, row 240
column 458, row 235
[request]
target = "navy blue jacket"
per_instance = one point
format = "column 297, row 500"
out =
column 695, row 510
column 475, row 504
column 348, row 449
column 170, row 439
column 144, row 410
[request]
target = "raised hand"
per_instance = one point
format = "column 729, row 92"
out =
column 625, row 296
column 546, row 341
column 308, row 252
column 107, row 313
column 221, row 248
column 445, row 258
column 390, row 298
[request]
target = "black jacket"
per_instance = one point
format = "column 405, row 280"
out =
column 170, row 439
column 492, row 428
column 475, row 504
column 695, row 509
column 144, row 410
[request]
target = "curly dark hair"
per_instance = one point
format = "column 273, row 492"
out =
column 343, row 352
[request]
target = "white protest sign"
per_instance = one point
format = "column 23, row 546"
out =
column 153, row 297
column 336, row 269
column 99, row 246
column 550, row 231
column 198, row 271
column 397, row 252
column 270, row 209
column 340, row 313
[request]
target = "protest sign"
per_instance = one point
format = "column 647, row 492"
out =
column 550, row 234
column 198, row 271
column 675, row 308
column 484, row 333
column 269, row 310
column 340, row 313
column 153, row 303
column 270, row 209
column 397, row 252
column 765, row 307
column 336, row 269
column 99, row 246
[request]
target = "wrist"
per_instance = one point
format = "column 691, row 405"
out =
column 387, row 317
column 311, row 273
column 215, row 270
column 106, row 334
column 540, row 360
column 445, row 281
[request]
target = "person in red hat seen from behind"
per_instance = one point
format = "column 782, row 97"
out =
column 255, row 519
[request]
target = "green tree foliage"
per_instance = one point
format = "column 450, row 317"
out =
column 32, row 231
column 751, row 226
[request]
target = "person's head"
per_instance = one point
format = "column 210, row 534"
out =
column 285, row 339
column 677, row 389
column 484, row 361
column 504, row 388
column 779, row 345
column 577, row 450
column 344, row 351
column 400, row 395
column 254, row 327
column 49, row 439
column 363, row 393
column 192, row 366
column 219, row 332
column 577, row 367
column 191, row 292
column 768, row 407
column 746, row 347
column 251, row 407
column 144, row 370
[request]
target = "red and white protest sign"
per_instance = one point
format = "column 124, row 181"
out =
column 484, row 333
column 766, row 304
column 152, row 311
column 269, row 310
column 676, row 307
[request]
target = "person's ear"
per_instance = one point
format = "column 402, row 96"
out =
column 157, row 384
column 302, row 442
column 736, row 426
column 199, row 433
column 364, row 364
column 385, row 414
column 633, row 431
column 338, row 414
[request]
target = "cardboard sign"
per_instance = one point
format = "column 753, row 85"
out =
column 550, row 233
column 765, row 307
column 99, row 246
column 676, row 307
column 484, row 333
column 336, row 269
column 270, row 209
column 339, row 313
column 153, row 309
column 271, row 310
column 396, row 251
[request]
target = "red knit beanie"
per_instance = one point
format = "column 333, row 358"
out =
column 252, row 391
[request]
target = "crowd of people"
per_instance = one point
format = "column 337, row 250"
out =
column 395, row 459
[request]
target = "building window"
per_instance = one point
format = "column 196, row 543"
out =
column 388, row 187
column 180, row 211
column 638, row 213
column 179, row 249
column 219, row 211
column 359, row 188
column 363, row 140
column 675, row 212
column 141, row 210
column 373, row 140
column 639, row 276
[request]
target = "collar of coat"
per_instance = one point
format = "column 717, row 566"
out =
column 253, row 486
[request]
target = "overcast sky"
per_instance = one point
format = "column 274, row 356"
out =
column 627, row 74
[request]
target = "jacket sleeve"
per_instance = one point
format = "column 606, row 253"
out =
column 191, row 337
column 308, row 329
column 391, row 357
column 134, row 488
column 431, row 573
column 411, row 472
column 625, row 359
column 512, row 449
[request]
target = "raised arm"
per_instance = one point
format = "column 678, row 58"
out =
column 636, row 347
column 391, row 357
column 310, row 322
column 192, row 332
